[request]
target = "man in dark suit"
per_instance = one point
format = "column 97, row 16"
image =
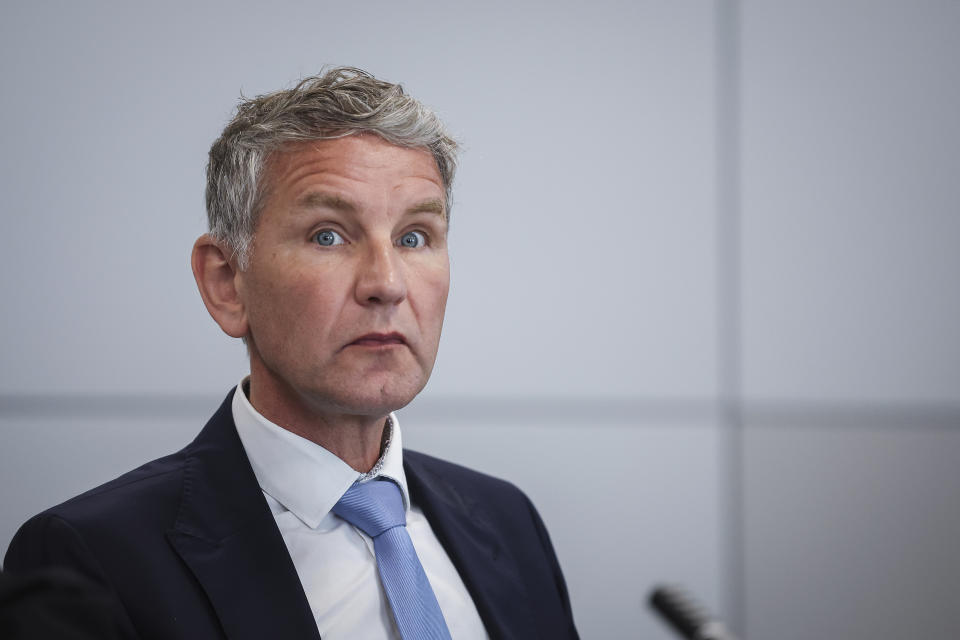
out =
column 296, row 513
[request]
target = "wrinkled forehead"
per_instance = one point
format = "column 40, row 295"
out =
column 357, row 150
column 352, row 172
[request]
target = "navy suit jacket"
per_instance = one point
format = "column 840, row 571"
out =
column 190, row 548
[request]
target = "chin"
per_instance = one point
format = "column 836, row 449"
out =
column 377, row 399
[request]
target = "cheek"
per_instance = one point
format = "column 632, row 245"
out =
column 289, row 310
column 442, row 302
column 432, row 289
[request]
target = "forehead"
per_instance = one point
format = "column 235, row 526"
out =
column 352, row 161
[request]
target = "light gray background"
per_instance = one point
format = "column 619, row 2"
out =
column 705, row 307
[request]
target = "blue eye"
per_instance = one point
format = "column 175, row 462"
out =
column 413, row 240
column 328, row 238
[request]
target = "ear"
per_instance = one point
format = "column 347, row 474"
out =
column 216, row 278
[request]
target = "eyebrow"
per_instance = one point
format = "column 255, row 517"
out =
column 325, row 200
column 331, row 201
column 434, row 205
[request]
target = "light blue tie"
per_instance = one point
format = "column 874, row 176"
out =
column 376, row 508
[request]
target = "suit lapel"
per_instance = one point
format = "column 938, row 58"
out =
column 227, row 536
column 475, row 547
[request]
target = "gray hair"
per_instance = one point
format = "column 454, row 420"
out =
column 340, row 102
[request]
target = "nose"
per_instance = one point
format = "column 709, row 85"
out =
column 380, row 277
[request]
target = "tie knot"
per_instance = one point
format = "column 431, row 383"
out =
column 373, row 507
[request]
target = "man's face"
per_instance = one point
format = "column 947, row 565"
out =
column 347, row 285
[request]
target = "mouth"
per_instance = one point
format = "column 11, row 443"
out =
column 379, row 340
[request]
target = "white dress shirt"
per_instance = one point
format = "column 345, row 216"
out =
column 302, row 482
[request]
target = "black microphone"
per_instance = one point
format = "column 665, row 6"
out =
column 687, row 616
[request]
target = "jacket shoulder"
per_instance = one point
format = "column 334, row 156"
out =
column 462, row 504
column 121, row 508
column 501, row 500
column 135, row 489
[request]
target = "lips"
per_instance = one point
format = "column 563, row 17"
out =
column 379, row 340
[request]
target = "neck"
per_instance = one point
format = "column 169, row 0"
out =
column 355, row 439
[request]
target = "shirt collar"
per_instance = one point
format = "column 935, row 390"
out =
column 301, row 475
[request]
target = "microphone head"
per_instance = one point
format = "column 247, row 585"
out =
column 691, row 620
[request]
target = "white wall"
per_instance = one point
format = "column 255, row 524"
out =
column 664, row 209
column 851, row 318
